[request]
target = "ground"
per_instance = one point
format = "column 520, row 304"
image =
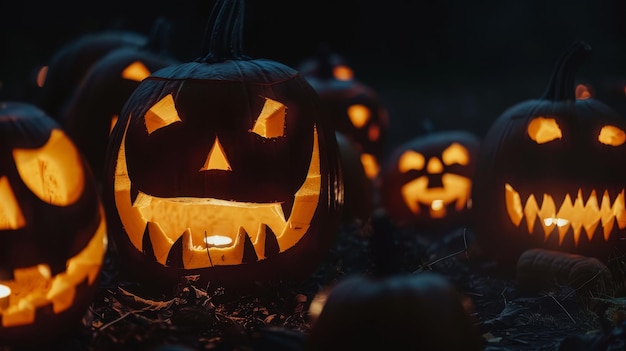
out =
column 507, row 317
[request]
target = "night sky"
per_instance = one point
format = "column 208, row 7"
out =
column 455, row 63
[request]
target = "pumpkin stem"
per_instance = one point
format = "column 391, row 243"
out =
column 224, row 32
column 562, row 81
column 159, row 40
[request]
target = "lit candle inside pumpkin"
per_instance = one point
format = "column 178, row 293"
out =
column 217, row 241
column 5, row 294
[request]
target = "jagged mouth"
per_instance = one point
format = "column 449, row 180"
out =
column 191, row 233
column 34, row 288
column 575, row 213
column 453, row 195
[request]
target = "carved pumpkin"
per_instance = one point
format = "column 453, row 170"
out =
column 551, row 174
column 397, row 312
column 90, row 114
column 67, row 66
column 354, row 108
column 427, row 180
column 52, row 228
column 223, row 168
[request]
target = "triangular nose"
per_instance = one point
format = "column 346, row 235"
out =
column 216, row 159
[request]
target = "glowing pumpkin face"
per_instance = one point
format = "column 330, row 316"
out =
column 428, row 180
column 223, row 170
column 93, row 110
column 552, row 176
column 52, row 228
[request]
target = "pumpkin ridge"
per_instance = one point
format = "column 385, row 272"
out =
column 224, row 32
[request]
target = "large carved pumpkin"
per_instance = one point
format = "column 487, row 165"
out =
column 90, row 113
column 551, row 174
column 52, row 229
column 223, row 168
column 427, row 181
column 72, row 61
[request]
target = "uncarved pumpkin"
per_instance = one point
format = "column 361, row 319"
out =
column 551, row 174
column 52, row 229
column 223, row 168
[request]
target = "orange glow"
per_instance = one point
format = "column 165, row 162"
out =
column 411, row 160
column 611, row 135
column 434, row 166
column 455, row 189
column 11, row 216
column 455, row 153
column 216, row 158
column 113, row 123
column 342, row 72
column 543, row 130
column 569, row 212
column 136, row 71
column 373, row 133
column 359, row 115
column 5, row 293
column 582, row 92
column 41, row 76
column 370, row 165
column 161, row 114
column 271, row 120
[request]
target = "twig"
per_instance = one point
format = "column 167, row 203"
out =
column 563, row 308
column 428, row 265
column 114, row 321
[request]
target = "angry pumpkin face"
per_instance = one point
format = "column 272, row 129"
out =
column 52, row 228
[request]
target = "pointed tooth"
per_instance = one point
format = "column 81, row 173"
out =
column 271, row 243
column 133, row 193
column 146, row 244
column 287, row 206
column 259, row 244
column 249, row 253
column 160, row 243
column 175, row 255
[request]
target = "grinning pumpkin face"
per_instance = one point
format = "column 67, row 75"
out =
column 52, row 228
column 223, row 170
column 552, row 176
column 428, row 180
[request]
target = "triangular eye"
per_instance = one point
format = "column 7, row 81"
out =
column 271, row 120
column 611, row 135
column 411, row 160
column 136, row 71
column 359, row 115
column 53, row 172
column 455, row 153
column 217, row 158
column 543, row 130
column 162, row 114
column 10, row 214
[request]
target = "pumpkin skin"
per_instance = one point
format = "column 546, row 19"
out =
column 397, row 312
column 90, row 114
column 52, row 228
column 355, row 109
column 72, row 61
column 427, row 180
column 358, row 203
column 551, row 174
column 240, row 141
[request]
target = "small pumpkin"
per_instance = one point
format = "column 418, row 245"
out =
column 551, row 174
column 427, row 181
column 91, row 112
column 223, row 168
column 69, row 63
column 397, row 312
column 52, row 229
column 354, row 108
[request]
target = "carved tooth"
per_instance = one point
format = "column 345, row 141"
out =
column 271, row 243
column 159, row 241
column 259, row 244
column 175, row 255
column 249, row 254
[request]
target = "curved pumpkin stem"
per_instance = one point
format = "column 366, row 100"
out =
column 562, row 81
column 226, row 31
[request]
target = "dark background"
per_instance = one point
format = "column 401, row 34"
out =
column 456, row 63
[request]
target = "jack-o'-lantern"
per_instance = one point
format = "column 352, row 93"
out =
column 355, row 109
column 52, row 229
column 223, row 168
column 61, row 76
column 552, row 173
column 92, row 111
column 427, row 180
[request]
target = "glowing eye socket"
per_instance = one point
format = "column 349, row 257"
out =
column 41, row 76
column 582, row 92
column 11, row 216
column 359, row 115
column 455, row 153
column 271, row 120
column 411, row 160
column 162, row 114
column 136, row 71
column 53, row 172
column 342, row 72
column 611, row 135
column 543, row 130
